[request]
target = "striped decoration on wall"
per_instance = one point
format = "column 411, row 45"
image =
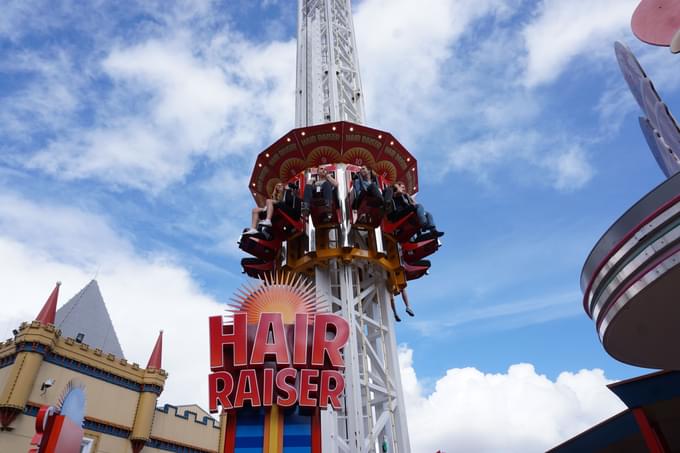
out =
column 273, row 430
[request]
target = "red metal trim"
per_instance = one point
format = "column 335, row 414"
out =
column 49, row 310
column 230, row 433
column 389, row 227
column 300, row 151
column 7, row 415
column 316, row 431
column 649, row 433
column 618, row 246
column 649, row 268
column 156, row 357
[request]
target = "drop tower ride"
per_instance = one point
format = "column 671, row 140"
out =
column 358, row 257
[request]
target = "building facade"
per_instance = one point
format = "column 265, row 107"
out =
column 78, row 342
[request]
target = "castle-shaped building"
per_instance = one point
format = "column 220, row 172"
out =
column 79, row 342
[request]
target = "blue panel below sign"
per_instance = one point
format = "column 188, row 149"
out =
column 297, row 433
column 249, row 432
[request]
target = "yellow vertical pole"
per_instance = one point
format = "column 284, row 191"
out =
column 273, row 430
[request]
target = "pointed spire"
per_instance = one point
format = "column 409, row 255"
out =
column 49, row 310
column 157, row 353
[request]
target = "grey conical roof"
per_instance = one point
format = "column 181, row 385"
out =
column 86, row 314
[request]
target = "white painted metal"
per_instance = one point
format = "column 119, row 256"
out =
column 329, row 89
column 373, row 407
column 328, row 81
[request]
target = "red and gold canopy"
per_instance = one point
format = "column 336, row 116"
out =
column 331, row 143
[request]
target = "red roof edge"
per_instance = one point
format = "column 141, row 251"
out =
column 49, row 310
column 157, row 353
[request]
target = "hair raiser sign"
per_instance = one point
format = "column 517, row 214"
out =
column 277, row 350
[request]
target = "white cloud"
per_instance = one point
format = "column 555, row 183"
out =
column 144, row 293
column 170, row 106
column 47, row 101
column 404, row 55
column 565, row 168
column 564, row 29
column 524, row 411
column 571, row 170
column 143, row 111
column 184, row 91
column 503, row 315
column 454, row 70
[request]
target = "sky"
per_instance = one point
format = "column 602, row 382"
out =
column 128, row 131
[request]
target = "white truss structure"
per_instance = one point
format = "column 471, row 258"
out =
column 373, row 418
column 328, row 81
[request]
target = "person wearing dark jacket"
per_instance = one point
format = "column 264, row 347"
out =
column 325, row 184
column 365, row 183
column 404, row 202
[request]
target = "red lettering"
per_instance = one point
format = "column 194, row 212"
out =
column 246, row 389
column 322, row 346
column 300, row 339
column 220, row 386
column 328, row 395
column 285, row 387
column 307, row 388
column 237, row 338
column 267, row 387
column 278, row 347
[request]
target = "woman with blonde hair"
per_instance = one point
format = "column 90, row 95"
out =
column 276, row 197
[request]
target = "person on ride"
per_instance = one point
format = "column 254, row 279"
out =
column 276, row 197
column 404, row 201
column 324, row 184
column 404, row 297
column 365, row 183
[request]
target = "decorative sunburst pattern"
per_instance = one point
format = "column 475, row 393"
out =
column 71, row 402
column 282, row 292
column 386, row 169
column 271, row 184
column 358, row 156
column 291, row 167
column 323, row 155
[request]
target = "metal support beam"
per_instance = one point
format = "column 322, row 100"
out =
column 329, row 89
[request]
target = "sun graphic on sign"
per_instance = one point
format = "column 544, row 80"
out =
column 281, row 292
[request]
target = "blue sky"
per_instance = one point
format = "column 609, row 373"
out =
column 128, row 132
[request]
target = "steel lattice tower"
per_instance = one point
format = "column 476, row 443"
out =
column 358, row 253
column 328, row 90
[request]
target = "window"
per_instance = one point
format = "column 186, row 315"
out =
column 87, row 445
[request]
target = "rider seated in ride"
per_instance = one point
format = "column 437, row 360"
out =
column 275, row 200
column 365, row 183
column 404, row 203
column 324, row 185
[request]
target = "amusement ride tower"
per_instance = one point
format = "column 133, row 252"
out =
column 358, row 256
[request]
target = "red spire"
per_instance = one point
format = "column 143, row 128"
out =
column 49, row 310
column 157, row 353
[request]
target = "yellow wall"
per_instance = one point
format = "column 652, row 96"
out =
column 4, row 372
column 19, row 439
column 111, row 444
column 108, row 403
column 174, row 428
column 105, row 401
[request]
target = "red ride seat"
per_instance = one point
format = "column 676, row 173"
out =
column 257, row 268
column 323, row 214
column 415, row 251
column 403, row 225
column 284, row 223
column 416, row 269
column 369, row 210
column 258, row 246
